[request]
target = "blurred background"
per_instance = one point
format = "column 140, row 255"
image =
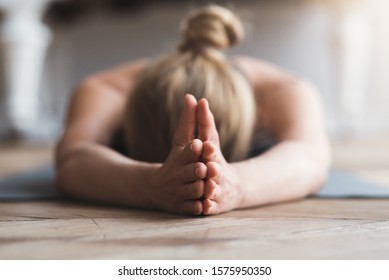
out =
column 49, row 46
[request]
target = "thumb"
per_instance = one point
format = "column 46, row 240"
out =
column 185, row 130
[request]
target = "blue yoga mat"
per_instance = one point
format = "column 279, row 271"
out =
column 39, row 184
column 35, row 184
column 346, row 184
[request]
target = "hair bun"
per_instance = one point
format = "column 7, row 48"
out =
column 211, row 26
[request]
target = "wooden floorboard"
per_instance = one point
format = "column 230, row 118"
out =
column 308, row 229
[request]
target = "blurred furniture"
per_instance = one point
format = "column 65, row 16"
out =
column 352, row 56
column 24, row 39
column 353, row 59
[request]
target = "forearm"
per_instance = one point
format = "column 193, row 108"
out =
column 288, row 171
column 97, row 173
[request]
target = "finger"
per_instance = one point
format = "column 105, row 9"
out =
column 192, row 152
column 193, row 172
column 192, row 207
column 214, row 171
column 194, row 190
column 208, row 152
column 187, row 123
column 206, row 123
column 209, row 207
column 211, row 189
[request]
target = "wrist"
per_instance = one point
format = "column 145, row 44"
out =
column 238, row 170
column 140, row 179
column 150, row 171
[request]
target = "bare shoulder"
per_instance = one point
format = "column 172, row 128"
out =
column 97, row 104
column 122, row 77
column 273, row 84
column 261, row 74
column 288, row 104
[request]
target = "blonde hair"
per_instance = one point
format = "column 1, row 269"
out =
column 199, row 67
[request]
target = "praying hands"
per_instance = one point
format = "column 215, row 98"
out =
column 196, row 179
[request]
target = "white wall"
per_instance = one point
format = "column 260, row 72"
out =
column 379, row 79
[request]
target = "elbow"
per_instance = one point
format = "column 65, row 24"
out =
column 313, row 168
column 322, row 167
column 318, row 162
column 67, row 165
column 319, row 180
column 63, row 176
column 319, row 176
column 63, row 163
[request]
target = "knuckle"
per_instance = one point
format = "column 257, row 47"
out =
column 189, row 208
column 196, row 208
column 200, row 170
column 198, row 189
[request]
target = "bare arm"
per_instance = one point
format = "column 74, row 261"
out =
column 86, row 167
column 298, row 164
column 294, row 168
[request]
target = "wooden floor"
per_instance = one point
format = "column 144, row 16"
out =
column 307, row 229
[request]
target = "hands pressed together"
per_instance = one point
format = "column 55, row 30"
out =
column 195, row 178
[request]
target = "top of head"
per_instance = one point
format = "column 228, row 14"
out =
column 211, row 26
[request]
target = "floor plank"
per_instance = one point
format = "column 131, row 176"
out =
column 307, row 229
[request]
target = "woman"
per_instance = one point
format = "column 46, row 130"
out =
column 193, row 157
